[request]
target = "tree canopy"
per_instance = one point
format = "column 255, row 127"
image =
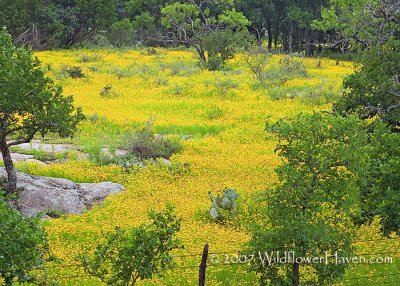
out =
column 30, row 103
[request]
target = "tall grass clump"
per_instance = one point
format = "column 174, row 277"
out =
column 290, row 67
column 145, row 144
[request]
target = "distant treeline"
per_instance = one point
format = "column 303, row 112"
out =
column 289, row 25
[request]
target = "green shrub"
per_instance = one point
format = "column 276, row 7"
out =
column 43, row 155
column 74, row 72
column 322, row 94
column 23, row 245
column 178, row 90
column 214, row 112
column 145, row 145
column 121, row 33
column 221, row 45
column 129, row 255
column 89, row 58
column 224, row 88
column 289, row 67
column 180, row 68
column 129, row 71
column 161, row 81
column 257, row 60
column 106, row 91
column 144, row 71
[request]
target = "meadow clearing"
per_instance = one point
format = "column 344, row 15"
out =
column 223, row 115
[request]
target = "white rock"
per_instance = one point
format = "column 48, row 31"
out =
column 44, row 193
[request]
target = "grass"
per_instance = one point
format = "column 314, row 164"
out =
column 225, row 118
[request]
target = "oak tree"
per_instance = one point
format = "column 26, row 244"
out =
column 30, row 103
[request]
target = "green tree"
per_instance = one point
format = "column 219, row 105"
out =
column 127, row 256
column 193, row 24
column 260, row 14
column 18, row 15
column 23, row 245
column 379, row 192
column 146, row 17
column 121, row 33
column 30, row 103
column 361, row 23
column 310, row 211
column 374, row 89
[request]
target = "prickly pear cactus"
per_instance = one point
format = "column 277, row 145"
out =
column 224, row 205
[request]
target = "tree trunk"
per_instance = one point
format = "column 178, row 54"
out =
column 296, row 274
column 270, row 37
column 276, row 35
column 258, row 37
column 291, row 38
column 201, row 53
column 11, row 186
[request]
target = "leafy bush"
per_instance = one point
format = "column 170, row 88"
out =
column 161, row 81
column 144, row 71
column 23, row 245
column 145, row 145
column 129, row 255
column 214, row 112
column 89, row 58
column 257, row 60
column 180, row 68
column 289, row 67
column 224, row 88
column 74, row 72
column 129, row 71
column 316, row 198
column 108, row 91
column 121, row 33
column 221, row 45
column 309, row 94
column 373, row 90
column 178, row 90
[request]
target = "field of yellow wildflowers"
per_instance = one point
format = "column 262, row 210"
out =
column 225, row 115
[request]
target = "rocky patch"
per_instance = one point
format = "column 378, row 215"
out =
column 44, row 194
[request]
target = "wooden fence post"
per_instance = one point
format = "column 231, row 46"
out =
column 203, row 266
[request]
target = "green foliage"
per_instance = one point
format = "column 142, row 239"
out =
column 257, row 60
column 30, row 103
column 121, row 33
column 319, row 94
column 214, row 112
column 74, row 72
column 129, row 255
column 310, row 211
column 222, row 45
column 35, row 97
column 23, row 245
column 35, row 104
column 144, row 26
column 379, row 192
column 289, row 67
column 215, row 36
column 89, row 58
column 224, row 88
column 373, row 90
column 108, row 92
column 225, row 206
column 260, row 14
column 144, row 144
column 360, row 24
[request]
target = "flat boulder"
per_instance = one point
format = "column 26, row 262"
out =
column 44, row 194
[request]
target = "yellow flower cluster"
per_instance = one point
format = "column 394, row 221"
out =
column 171, row 88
